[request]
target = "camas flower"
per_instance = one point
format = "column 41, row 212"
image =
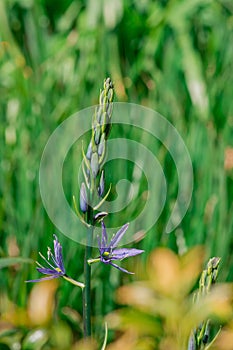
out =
column 55, row 268
column 110, row 253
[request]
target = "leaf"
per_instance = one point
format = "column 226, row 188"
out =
column 105, row 337
column 5, row 262
column 35, row 339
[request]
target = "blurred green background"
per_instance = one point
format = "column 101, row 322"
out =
column 173, row 56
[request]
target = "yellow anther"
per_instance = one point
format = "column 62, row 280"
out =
column 106, row 254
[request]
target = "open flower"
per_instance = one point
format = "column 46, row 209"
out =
column 109, row 252
column 56, row 267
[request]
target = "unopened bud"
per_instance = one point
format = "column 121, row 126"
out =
column 83, row 198
column 100, row 216
column 89, row 151
column 99, row 113
column 94, row 164
column 101, row 185
column 97, row 134
column 108, row 84
column 101, row 147
column 192, row 342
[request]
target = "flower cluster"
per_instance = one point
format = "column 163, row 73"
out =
column 96, row 151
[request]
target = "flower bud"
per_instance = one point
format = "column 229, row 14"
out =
column 94, row 164
column 100, row 216
column 101, row 147
column 101, row 184
column 97, row 134
column 89, row 151
column 83, row 198
column 99, row 114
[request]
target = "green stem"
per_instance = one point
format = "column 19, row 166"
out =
column 87, row 278
column 92, row 261
column 72, row 281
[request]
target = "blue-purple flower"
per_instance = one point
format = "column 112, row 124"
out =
column 55, row 267
column 110, row 252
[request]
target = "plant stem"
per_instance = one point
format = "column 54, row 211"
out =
column 93, row 161
column 87, row 278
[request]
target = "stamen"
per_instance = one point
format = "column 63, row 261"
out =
column 48, row 252
column 46, row 261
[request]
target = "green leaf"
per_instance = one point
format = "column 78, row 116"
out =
column 5, row 262
column 105, row 337
column 35, row 339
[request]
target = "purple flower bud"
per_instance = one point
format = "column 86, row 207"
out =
column 94, row 164
column 83, row 198
column 101, row 147
column 97, row 134
column 89, row 151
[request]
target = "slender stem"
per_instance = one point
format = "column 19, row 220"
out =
column 71, row 280
column 93, row 161
column 91, row 261
column 87, row 278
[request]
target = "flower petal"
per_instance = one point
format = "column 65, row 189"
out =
column 102, row 250
column 46, row 271
column 104, row 236
column 58, row 254
column 118, row 236
column 121, row 268
column 120, row 254
column 43, row 279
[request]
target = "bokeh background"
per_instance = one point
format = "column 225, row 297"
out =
column 174, row 56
